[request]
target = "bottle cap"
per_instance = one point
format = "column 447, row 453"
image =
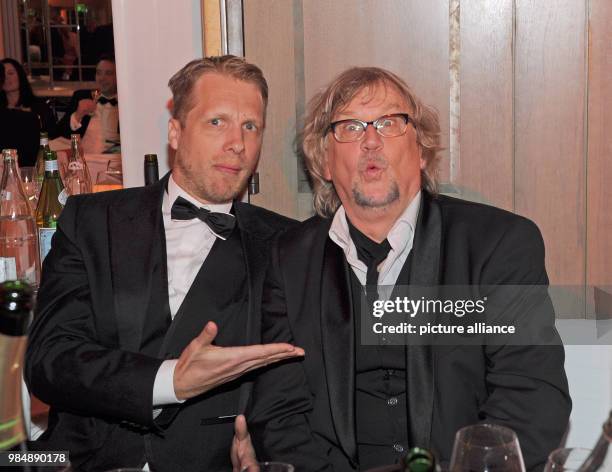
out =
column 9, row 154
column 150, row 157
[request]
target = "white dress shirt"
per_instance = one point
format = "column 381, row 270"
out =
column 102, row 130
column 188, row 243
column 400, row 237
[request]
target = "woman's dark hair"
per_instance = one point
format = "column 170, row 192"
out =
column 26, row 95
column 3, row 102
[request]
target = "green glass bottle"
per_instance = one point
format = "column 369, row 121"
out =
column 419, row 459
column 50, row 203
column 16, row 302
column 40, row 157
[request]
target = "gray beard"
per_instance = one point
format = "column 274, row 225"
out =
column 367, row 202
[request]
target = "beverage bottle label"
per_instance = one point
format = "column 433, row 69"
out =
column 8, row 268
column 44, row 241
column 62, row 197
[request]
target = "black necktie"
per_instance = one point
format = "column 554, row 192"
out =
column 369, row 252
column 221, row 224
column 103, row 101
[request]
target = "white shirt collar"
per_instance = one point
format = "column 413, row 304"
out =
column 339, row 231
column 400, row 237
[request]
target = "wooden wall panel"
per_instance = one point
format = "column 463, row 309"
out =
column 486, row 162
column 211, row 27
column 269, row 43
column 549, row 130
column 409, row 37
column 599, row 176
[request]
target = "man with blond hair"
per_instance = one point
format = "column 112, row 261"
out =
column 371, row 147
column 148, row 310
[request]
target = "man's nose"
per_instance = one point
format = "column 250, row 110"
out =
column 371, row 139
column 235, row 140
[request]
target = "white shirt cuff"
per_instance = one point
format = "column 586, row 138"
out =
column 74, row 124
column 163, row 387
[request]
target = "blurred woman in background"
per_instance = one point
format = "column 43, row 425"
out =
column 18, row 94
column 18, row 130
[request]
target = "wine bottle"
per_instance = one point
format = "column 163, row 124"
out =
column 419, row 459
column 77, row 178
column 600, row 458
column 16, row 302
column 40, row 157
column 18, row 252
column 151, row 171
column 50, row 203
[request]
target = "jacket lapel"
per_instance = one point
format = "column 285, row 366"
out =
column 420, row 359
column 338, row 339
column 137, row 245
column 255, row 236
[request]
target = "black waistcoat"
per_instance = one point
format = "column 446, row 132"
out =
column 380, row 397
column 196, row 439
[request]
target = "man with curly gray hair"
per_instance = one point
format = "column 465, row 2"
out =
column 371, row 147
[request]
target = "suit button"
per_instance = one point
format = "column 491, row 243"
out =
column 398, row 448
column 392, row 401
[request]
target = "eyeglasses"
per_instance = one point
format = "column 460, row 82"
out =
column 389, row 126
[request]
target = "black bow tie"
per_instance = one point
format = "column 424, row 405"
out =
column 221, row 224
column 104, row 101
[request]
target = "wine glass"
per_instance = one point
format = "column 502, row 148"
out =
column 567, row 459
column 111, row 178
column 31, row 185
column 486, row 447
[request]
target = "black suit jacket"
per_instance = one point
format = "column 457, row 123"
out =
column 64, row 124
column 303, row 411
column 83, row 356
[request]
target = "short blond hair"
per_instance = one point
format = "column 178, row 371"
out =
column 338, row 94
column 181, row 84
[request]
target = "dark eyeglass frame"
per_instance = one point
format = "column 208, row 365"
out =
column 374, row 123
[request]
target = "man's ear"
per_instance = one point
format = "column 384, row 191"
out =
column 174, row 133
column 421, row 160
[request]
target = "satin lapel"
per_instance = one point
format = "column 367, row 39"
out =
column 137, row 243
column 420, row 366
column 255, row 250
column 338, row 338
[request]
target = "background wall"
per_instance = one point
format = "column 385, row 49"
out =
column 153, row 39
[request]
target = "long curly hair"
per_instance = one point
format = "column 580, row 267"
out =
column 339, row 93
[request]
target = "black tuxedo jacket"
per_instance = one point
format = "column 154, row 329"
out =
column 84, row 356
column 303, row 411
column 64, row 124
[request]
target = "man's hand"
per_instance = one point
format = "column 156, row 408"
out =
column 243, row 454
column 203, row 366
column 85, row 107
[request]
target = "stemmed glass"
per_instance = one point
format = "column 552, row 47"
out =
column 486, row 447
column 566, row 459
column 31, row 185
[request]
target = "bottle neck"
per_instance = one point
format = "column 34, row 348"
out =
column 9, row 172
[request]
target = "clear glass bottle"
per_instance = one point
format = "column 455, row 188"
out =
column 50, row 203
column 16, row 302
column 77, row 178
column 18, row 252
column 40, row 157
